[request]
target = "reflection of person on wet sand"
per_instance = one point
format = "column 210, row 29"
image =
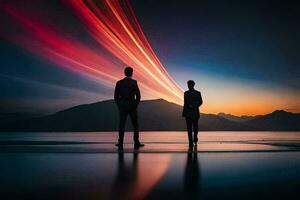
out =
column 126, row 178
column 192, row 176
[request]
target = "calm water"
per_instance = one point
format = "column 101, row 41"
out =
column 138, row 175
column 154, row 136
column 101, row 142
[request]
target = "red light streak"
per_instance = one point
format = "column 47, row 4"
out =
column 114, row 26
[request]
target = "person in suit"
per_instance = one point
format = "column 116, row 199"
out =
column 192, row 102
column 127, row 97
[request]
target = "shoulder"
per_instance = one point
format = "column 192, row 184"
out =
column 197, row 92
column 123, row 80
column 119, row 82
column 134, row 81
column 188, row 94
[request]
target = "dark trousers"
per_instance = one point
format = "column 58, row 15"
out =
column 192, row 125
column 134, row 120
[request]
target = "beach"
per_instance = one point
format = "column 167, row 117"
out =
column 225, row 165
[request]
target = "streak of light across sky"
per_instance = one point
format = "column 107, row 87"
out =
column 114, row 26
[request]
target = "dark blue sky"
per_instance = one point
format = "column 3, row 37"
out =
column 235, row 50
column 256, row 40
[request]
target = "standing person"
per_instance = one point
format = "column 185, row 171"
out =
column 192, row 102
column 127, row 97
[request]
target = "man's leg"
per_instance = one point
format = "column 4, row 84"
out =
column 195, row 126
column 134, row 120
column 135, row 125
column 189, row 123
column 122, row 122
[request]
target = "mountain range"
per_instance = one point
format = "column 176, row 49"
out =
column 154, row 115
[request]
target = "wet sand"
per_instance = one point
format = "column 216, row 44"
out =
column 88, row 166
column 156, row 142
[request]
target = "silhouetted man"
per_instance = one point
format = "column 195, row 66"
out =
column 127, row 97
column 192, row 102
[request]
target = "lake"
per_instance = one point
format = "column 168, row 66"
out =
column 226, row 165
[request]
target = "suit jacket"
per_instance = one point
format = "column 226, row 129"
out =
column 127, row 94
column 192, row 102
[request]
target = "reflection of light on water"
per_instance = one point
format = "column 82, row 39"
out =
column 150, row 175
column 137, row 174
column 214, row 146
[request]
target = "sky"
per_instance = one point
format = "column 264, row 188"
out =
column 243, row 55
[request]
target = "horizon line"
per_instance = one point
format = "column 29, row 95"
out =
column 243, row 115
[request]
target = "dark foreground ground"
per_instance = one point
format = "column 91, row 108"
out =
column 66, row 166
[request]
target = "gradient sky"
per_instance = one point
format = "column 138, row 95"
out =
column 243, row 56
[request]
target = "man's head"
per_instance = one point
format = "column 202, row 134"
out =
column 191, row 84
column 128, row 71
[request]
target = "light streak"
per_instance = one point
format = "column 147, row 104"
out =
column 114, row 27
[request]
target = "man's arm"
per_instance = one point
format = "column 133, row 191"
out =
column 137, row 94
column 200, row 99
column 117, row 94
column 185, row 99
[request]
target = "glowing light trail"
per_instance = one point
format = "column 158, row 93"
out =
column 115, row 28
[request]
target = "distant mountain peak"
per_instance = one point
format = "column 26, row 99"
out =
column 234, row 118
column 280, row 112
